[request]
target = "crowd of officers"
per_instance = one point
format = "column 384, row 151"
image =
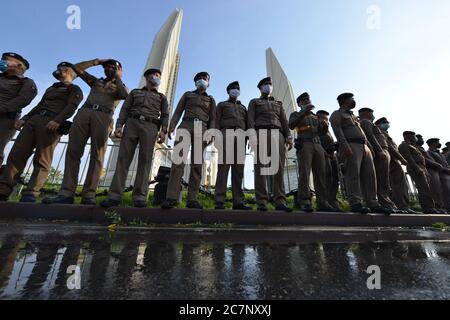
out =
column 364, row 161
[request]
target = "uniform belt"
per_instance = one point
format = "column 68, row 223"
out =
column 232, row 127
column 144, row 118
column 268, row 127
column 193, row 119
column 357, row 140
column 313, row 139
column 47, row 113
column 97, row 107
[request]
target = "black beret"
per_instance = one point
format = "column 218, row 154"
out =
column 202, row 74
column 233, row 85
column 18, row 57
column 447, row 143
column 383, row 119
column 264, row 81
column 112, row 62
column 151, row 71
column 432, row 140
column 418, row 135
column 409, row 133
column 365, row 110
column 64, row 64
column 344, row 96
column 323, row 112
column 304, row 95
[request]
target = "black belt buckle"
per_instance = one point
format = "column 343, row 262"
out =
column 96, row 107
column 142, row 118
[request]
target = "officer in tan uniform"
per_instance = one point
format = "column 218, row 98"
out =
column 310, row 155
column 356, row 154
column 143, row 120
column 382, row 157
column 397, row 177
column 41, row 131
column 434, row 168
column 444, row 174
column 417, row 171
column 93, row 121
column 231, row 115
column 16, row 92
column 198, row 108
column 331, row 162
column 266, row 113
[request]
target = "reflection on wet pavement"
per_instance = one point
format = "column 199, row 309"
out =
column 132, row 265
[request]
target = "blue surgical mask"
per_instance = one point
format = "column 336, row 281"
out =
column 202, row 84
column 156, row 81
column 385, row 126
column 267, row 89
column 3, row 65
column 234, row 93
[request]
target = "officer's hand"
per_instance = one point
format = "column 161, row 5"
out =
column 289, row 143
column 118, row 133
column 52, row 126
column 348, row 153
column 161, row 137
column 19, row 124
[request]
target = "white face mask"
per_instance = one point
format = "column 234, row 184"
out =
column 234, row 93
column 202, row 84
column 266, row 89
column 155, row 80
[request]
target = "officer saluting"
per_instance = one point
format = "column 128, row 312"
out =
column 310, row 155
column 266, row 113
column 16, row 92
column 198, row 107
column 41, row 129
column 231, row 115
column 93, row 121
column 145, row 115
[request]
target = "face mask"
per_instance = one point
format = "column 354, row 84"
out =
column 385, row 126
column 234, row 93
column 201, row 84
column 266, row 89
column 3, row 66
column 156, row 81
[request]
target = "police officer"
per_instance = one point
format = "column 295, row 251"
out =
column 16, row 92
column 143, row 119
column 93, row 121
column 433, row 169
column 417, row 171
column 356, row 154
column 447, row 157
column 266, row 113
column 331, row 161
column 41, row 130
column 231, row 117
column 382, row 157
column 199, row 109
column 444, row 174
column 310, row 154
column 397, row 177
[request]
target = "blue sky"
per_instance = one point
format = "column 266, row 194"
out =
column 325, row 47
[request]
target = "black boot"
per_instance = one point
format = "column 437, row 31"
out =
column 220, row 206
column 108, row 203
column 169, row 204
column 192, row 204
column 283, row 207
column 262, row 207
column 140, row 204
column 307, row 207
column 359, row 208
column 59, row 199
column 88, row 202
column 242, row 206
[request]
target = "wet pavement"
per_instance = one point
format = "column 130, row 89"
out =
column 263, row 263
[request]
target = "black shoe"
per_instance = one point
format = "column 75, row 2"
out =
column 3, row 198
column 326, row 208
column 59, row 199
column 140, row 204
column 193, row 205
column 283, row 207
column 359, row 208
column 306, row 207
column 28, row 198
column 383, row 210
column 108, row 203
column 88, row 202
column 262, row 207
column 220, row 206
column 242, row 206
column 169, row 204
